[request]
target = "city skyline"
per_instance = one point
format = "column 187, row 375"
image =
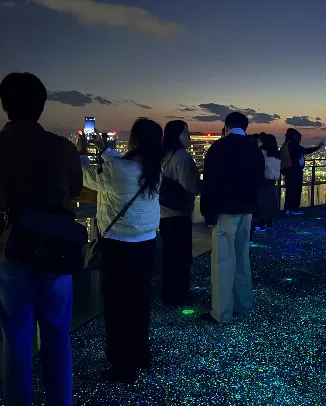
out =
column 165, row 60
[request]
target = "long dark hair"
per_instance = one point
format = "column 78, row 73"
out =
column 269, row 145
column 171, row 138
column 146, row 141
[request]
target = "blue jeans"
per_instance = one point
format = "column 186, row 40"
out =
column 27, row 297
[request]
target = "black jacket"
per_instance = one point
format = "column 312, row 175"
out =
column 297, row 153
column 38, row 170
column 233, row 172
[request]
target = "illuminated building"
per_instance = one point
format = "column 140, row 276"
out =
column 200, row 144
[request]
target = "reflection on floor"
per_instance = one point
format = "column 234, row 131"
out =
column 275, row 357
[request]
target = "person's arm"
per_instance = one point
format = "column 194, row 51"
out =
column 74, row 168
column 188, row 174
column 94, row 179
column 298, row 150
column 210, row 184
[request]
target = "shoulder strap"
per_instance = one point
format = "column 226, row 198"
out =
column 122, row 213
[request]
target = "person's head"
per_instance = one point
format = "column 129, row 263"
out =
column 176, row 136
column 268, row 143
column 145, row 143
column 23, row 96
column 292, row 135
column 236, row 120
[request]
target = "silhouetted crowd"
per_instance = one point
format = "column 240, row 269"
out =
column 153, row 186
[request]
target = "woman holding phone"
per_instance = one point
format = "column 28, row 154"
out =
column 129, row 248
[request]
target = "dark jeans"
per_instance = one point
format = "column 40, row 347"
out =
column 293, row 185
column 176, row 234
column 126, row 287
column 27, row 296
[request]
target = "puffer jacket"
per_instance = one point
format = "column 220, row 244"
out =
column 272, row 167
column 116, row 185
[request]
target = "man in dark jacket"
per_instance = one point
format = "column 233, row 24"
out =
column 292, row 165
column 39, row 172
column 233, row 171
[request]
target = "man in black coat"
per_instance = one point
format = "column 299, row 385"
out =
column 233, row 171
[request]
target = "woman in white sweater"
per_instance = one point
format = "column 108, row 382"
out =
column 129, row 247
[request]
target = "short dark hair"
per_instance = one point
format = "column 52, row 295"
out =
column 291, row 133
column 23, row 96
column 171, row 138
column 237, row 120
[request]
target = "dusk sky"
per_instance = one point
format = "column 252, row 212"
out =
column 191, row 59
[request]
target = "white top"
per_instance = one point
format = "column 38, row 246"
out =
column 272, row 167
column 116, row 185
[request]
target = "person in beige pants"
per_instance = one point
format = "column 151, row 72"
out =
column 233, row 172
column 230, row 267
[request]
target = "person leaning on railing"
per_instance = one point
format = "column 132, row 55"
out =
column 129, row 248
column 292, row 166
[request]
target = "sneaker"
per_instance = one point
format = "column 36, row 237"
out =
column 297, row 213
column 287, row 212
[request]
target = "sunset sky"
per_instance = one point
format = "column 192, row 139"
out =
column 191, row 59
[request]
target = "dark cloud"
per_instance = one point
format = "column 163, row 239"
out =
column 71, row 97
column 185, row 109
column 220, row 112
column 102, row 100
column 318, row 118
column 263, row 118
column 303, row 121
column 75, row 98
column 143, row 106
column 207, row 119
column 175, row 117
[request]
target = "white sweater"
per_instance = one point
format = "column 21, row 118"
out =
column 272, row 167
column 116, row 186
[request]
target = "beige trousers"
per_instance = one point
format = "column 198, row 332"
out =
column 230, row 267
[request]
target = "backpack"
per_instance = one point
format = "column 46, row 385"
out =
column 286, row 161
column 172, row 194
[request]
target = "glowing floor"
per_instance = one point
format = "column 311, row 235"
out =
column 275, row 357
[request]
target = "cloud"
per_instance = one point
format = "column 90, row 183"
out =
column 143, row 106
column 75, row 98
column 263, row 118
column 207, row 119
column 176, row 117
column 220, row 111
column 102, row 100
column 303, row 121
column 186, row 109
column 318, row 118
column 89, row 12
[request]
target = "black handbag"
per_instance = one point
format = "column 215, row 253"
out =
column 51, row 243
column 92, row 251
column 172, row 194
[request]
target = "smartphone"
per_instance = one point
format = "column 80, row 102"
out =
column 89, row 128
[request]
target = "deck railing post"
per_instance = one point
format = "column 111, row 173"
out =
column 313, row 183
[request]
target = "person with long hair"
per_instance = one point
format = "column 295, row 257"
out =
column 292, row 165
column 129, row 248
column 267, row 206
column 176, row 222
